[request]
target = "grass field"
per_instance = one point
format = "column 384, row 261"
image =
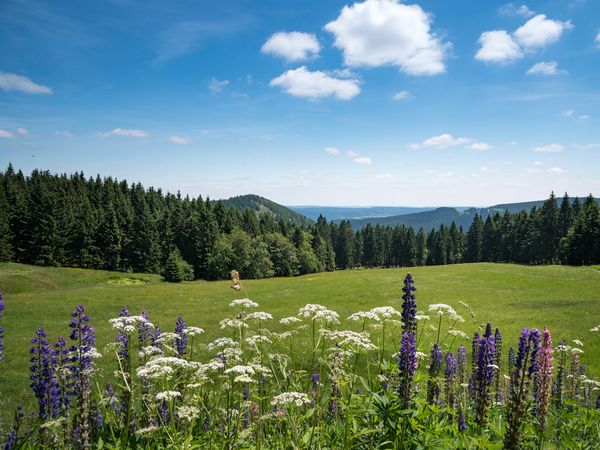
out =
column 566, row 299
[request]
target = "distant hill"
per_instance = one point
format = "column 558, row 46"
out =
column 265, row 206
column 445, row 215
column 351, row 212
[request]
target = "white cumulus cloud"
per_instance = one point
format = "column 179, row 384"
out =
column 13, row 82
column 401, row 95
column 510, row 9
column 445, row 140
column 125, row 132
column 540, row 31
column 6, row 134
column 498, row 46
column 180, row 140
column 550, row 148
column 544, row 68
column 301, row 82
column 386, row 32
column 293, row 46
column 332, row 151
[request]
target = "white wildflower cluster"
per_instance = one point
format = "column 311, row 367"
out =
column 147, row 430
column 421, row 355
column 350, row 339
column 232, row 354
column 442, row 309
column 189, row 413
column 421, row 316
column 364, row 315
column 259, row 315
column 459, row 333
column 319, row 313
column 290, row 320
column 385, row 312
column 128, row 324
column 167, row 336
column 232, row 323
column 258, row 339
column 291, row 398
column 244, row 303
column 243, row 374
column 596, row 329
column 149, row 351
column 578, row 342
column 164, row 367
column 193, row 331
column 222, row 342
column 284, row 335
column 167, row 395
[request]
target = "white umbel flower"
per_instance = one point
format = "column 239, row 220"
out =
column 291, row 398
column 244, row 303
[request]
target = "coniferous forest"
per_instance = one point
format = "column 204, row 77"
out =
column 74, row 221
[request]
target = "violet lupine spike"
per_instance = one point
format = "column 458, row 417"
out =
column 409, row 305
column 450, row 379
column 315, row 380
column 461, row 361
column 63, row 374
column 498, row 341
column 473, row 376
column 486, row 359
column 543, row 379
column 462, row 423
column 43, row 381
column 525, row 367
column 407, row 366
column 435, row 368
column 181, row 341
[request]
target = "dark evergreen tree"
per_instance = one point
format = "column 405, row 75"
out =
column 474, row 240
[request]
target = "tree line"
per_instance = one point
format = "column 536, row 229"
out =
column 102, row 223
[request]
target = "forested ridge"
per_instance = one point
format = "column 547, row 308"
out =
column 71, row 220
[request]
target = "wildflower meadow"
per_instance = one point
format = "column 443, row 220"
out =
column 319, row 381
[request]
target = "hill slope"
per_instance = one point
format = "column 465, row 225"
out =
column 265, row 206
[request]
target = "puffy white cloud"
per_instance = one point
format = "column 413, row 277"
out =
column 363, row 160
column 550, row 148
column 544, row 68
column 180, row 140
column 510, row 9
column 125, row 132
column 498, row 46
column 385, row 32
column 6, row 134
column 555, row 170
column 332, row 151
column 216, row 86
column 401, row 95
column 293, row 46
column 480, row 146
column 13, row 82
column 540, row 31
column 301, row 82
column 445, row 140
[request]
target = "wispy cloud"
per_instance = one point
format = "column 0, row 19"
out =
column 63, row 133
column 179, row 140
column 446, row 140
column 510, row 9
column 548, row 68
column 401, row 95
column 6, row 134
column 13, row 82
column 556, row 170
column 550, row 148
column 216, row 86
column 334, row 151
column 362, row 160
column 125, row 132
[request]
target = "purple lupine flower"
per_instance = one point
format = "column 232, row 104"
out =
column 2, row 306
column 461, row 363
column 83, row 348
column 315, row 380
column 43, row 381
column 543, row 380
column 435, row 367
column 450, row 379
column 525, row 367
column 473, row 376
column 181, row 341
column 486, row 358
column 122, row 341
column 407, row 365
column 64, row 374
column 409, row 305
column 498, row 341
column 462, row 423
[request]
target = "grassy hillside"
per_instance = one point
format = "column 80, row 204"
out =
column 566, row 299
column 265, row 206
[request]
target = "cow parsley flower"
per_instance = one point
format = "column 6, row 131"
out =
column 167, row 395
column 290, row 320
column 232, row 323
column 291, row 398
column 259, row 316
column 244, row 303
column 363, row 315
column 194, row 331
column 258, row 339
column 385, row 312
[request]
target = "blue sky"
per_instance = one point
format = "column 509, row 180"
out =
column 379, row 102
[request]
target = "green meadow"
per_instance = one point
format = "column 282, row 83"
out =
column 566, row 299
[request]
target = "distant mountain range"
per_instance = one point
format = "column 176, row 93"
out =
column 416, row 217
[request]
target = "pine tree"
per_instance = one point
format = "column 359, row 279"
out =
column 108, row 240
column 421, row 255
column 174, row 268
column 474, row 240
